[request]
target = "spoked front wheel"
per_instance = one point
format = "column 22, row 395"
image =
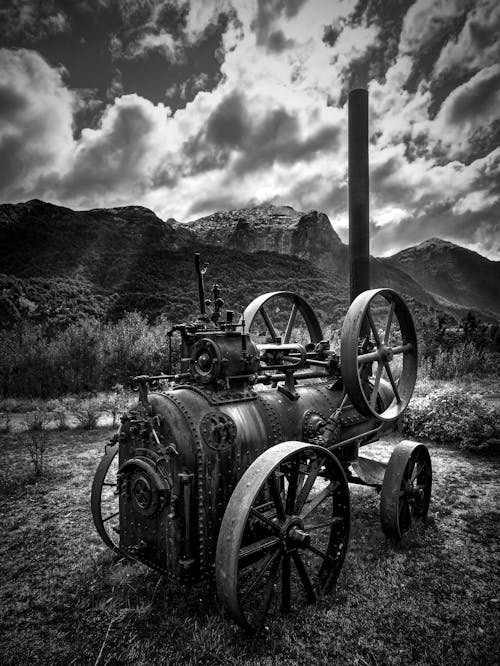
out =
column 284, row 535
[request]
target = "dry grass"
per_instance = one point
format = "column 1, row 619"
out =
column 65, row 599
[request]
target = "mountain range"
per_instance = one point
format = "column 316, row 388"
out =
column 58, row 265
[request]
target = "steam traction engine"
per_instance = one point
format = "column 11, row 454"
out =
column 239, row 465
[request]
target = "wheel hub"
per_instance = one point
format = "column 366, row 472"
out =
column 386, row 354
column 297, row 538
column 293, row 534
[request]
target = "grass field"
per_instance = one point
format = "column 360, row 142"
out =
column 65, row 599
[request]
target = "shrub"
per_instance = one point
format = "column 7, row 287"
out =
column 87, row 413
column 61, row 415
column 454, row 416
column 116, row 403
column 462, row 359
column 5, row 420
column 36, row 420
column 37, row 445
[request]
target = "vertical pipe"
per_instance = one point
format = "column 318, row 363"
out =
column 359, row 189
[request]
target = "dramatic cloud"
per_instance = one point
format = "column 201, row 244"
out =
column 36, row 115
column 31, row 20
column 226, row 103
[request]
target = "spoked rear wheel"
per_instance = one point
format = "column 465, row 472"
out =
column 284, row 535
column 104, row 500
column 406, row 490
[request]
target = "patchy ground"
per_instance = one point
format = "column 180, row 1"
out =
column 65, row 599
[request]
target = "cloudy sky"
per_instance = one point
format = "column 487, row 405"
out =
column 192, row 107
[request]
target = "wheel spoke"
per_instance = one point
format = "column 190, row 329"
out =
column 389, row 323
column 404, row 516
column 336, row 520
column 111, row 516
column 416, row 471
column 276, row 495
column 373, row 397
column 268, row 564
column 393, row 383
column 373, row 327
column 268, row 323
column 304, row 577
column 308, row 483
column 109, row 484
column 319, row 553
column 267, row 593
column 261, row 546
column 318, row 499
column 290, row 323
column 292, row 488
column 260, row 516
column 286, row 605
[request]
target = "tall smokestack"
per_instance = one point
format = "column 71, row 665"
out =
column 359, row 189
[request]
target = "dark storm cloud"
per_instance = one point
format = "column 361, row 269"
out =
column 478, row 94
column 229, row 124
column 114, row 157
column 30, row 20
column 260, row 141
column 374, row 62
column 477, row 227
column 35, row 118
column 268, row 11
column 172, row 17
column 12, row 102
column 277, row 42
column 426, row 54
column 214, row 203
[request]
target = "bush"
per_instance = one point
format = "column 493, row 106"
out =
column 462, row 359
column 116, row 403
column 87, row 413
column 37, row 445
column 36, row 420
column 61, row 415
column 86, row 356
column 456, row 417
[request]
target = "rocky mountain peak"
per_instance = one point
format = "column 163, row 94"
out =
column 271, row 228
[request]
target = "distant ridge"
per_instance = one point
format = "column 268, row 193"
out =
column 59, row 263
column 454, row 273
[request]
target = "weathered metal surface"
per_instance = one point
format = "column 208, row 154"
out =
column 359, row 199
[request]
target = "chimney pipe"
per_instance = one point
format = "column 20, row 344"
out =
column 359, row 191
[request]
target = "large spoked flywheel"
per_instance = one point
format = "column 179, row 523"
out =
column 282, row 317
column 284, row 535
column 378, row 354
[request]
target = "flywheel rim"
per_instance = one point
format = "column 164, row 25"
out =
column 299, row 305
column 366, row 395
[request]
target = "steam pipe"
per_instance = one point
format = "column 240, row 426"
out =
column 359, row 192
